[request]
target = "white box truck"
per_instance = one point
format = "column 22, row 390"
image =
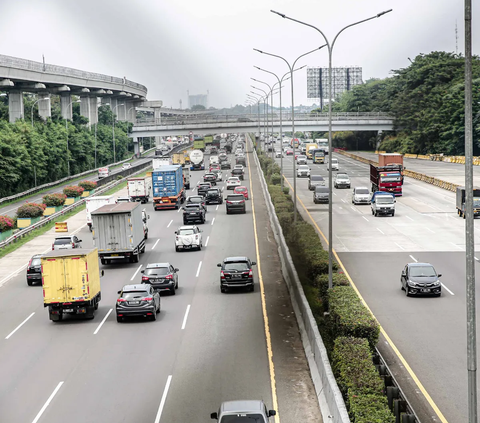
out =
column 165, row 161
column 119, row 232
column 94, row 203
column 139, row 189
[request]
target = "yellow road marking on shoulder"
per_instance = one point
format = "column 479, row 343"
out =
column 268, row 337
column 394, row 347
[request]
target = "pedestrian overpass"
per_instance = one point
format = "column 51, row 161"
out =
column 183, row 125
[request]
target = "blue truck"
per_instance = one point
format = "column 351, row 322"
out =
column 168, row 187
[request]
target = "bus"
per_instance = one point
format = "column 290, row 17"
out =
column 323, row 144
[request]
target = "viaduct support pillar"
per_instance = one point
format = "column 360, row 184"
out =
column 15, row 106
column 378, row 140
column 136, row 147
column 85, row 107
column 66, row 106
column 45, row 106
column 93, row 106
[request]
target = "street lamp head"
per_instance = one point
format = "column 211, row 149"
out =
column 278, row 13
column 260, row 51
column 256, row 67
column 384, row 13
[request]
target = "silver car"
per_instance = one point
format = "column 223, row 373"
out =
column 243, row 412
column 360, row 195
column 66, row 242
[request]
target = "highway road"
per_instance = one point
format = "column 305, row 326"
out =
column 430, row 333
column 11, row 208
column 205, row 347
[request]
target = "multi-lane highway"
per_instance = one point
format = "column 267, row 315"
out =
column 205, row 347
column 430, row 333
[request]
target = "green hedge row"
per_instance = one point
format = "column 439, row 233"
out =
column 359, row 381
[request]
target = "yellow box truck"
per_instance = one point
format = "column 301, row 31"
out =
column 310, row 146
column 178, row 158
column 71, row 282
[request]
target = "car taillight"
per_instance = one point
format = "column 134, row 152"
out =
column 29, row 263
column 228, row 202
column 242, row 201
column 73, row 245
column 148, row 299
column 169, row 277
column 53, row 247
column 176, row 238
column 222, row 275
column 144, row 278
column 250, row 273
column 121, row 300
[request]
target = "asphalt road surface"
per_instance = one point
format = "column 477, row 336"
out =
column 205, row 347
column 430, row 333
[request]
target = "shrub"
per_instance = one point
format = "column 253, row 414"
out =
column 73, row 191
column 88, row 185
column 349, row 317
column 314, row 300
column 276, row 179
column 285, row 219
column 321, row 282
column 369, row 409
column 354, row 369
column 54, row 200
column 6, row 223
column 31, row 210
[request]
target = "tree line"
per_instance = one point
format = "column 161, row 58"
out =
column 38, row 154
column 427, row 102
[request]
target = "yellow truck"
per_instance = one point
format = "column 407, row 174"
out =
column 71, row 283
column 308, row 147
column 178, row 158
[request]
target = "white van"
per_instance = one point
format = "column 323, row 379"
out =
column 333, row 163
column 214, row 160
column 103, row 172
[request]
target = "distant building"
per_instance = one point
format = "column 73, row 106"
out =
column 198, row 100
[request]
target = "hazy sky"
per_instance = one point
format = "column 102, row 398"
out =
column 172, row 46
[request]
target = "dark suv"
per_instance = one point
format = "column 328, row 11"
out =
column 197, row 199
column 239, row 173
column 162, row 277
column 203, row 188
column 236, row 272
column 321, row 194
column 214, row 195
column 193, row 213
column 34, row 270
column 225, row 164
column 234, row 203
column 137, row 300
column 210, row 177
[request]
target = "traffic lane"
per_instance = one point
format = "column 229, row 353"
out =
column 433, row 326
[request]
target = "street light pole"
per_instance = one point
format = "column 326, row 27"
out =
column 271, row 106
column 265, row 108
column 66, row 130
column 113, row 132
column 293, row 122
column 330, row 150
column 258, row 113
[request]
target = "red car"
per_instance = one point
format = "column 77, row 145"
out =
column 289, row 153
column 241, row 190
column 214, row 167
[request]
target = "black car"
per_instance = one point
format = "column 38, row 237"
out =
column 225, row 165
column 210, row 177
column 34, row 270
column 193, row 213
column 420, row 279
column 161, row 276
column 321, row 194
column 222, row 157
column 239, row 173
column 235, row 203
column 236, row 272
column 137, row 300
column 214, row 195
column 314, row 181
column 197, row 199
column 203, row 187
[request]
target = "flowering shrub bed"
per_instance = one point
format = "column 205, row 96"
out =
column 73, row 191
column 31, row 210
column 6, row 223
column 54, row 200
column 88, row 185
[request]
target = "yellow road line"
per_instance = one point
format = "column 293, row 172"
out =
column 397, row 352
column 268, row 337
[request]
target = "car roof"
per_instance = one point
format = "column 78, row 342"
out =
column 419, row 264
column 319, row 177
column 234, row 259
column 136, row 287
column 187, row 227
column 361, row 188
column 154, row 265
column 242, row 405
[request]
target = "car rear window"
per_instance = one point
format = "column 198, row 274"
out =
column 156, row 271
column 131, row 295
column 195, row 199
column 36, row 262
column 185, row 232
column 235, row 197
column 316, row 178
column 212, row 191
column 62, row 241
column 194, row 206
column 321, row 189
column 240, row 189
column 238, row 265
column 362, row 191
column 235, row 171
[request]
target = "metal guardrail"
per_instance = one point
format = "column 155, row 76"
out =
column 17, row 63
column 127, row 172
column 286, row 117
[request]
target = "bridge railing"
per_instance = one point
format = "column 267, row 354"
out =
column 253, row 118
column 17, row 63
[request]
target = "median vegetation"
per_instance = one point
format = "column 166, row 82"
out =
column 349, row 330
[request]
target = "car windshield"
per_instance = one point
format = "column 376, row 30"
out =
column 235, row 197
column 303, row 167
column 193, row 207
column 243, row 418
column 62, row 241
column 156, row 271
column 476, row 202
column 362, row 191
column 36, row 262
column 240, row 189
column 316, row 178
column 185, row 232
column 131, row 295
column 425, row 271
column 392, row 177
column 321, row 189
column 195, row 199
column 212, row 191
column 342, row 176
column 384, row 199
column 239, row 265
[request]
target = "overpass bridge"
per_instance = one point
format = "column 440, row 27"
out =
column 182, row 125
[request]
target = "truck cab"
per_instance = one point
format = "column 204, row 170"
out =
column 383, row 203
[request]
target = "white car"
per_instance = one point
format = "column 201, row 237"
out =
column 126, row 166
column 278, row 154
column 66, row 242
column 360, row 195
column 233, row 182
column 341, row 180
column 188, row 237
column 333, row 163
column 302, row 160
column 303, row 170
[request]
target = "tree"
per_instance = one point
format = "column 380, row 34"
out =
column 197, row 107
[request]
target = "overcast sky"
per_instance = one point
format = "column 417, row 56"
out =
column 172, row 46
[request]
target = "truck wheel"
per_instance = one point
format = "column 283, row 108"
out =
column 376, row 214
column 393, row 214
column 135, row 258
column 90, row 312
column 89, row 227
column 29, row 282
column 102, row 261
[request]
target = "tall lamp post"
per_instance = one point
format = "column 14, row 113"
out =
column 33, row 105
column 66, row 130
column 291, row 67
column 330, row 150
column 271, row 105
column 265, row 104
column 257, row 100
column 264, row 99
column 113, row 132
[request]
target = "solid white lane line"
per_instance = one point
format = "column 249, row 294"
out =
column 476, row 258
column 460, row 248
column 171, row 221
column 103, row 321
column 179, row 209
column 217, row 206
column 428, row 229
column 164, row 398
column 198, row 270
column 450, row 292
column 379, row 230
column 344, row 201
column 213, row 220
column 365, row 218
column 135, row 274
column 154, row 245
column 186, row 317
column 408, row 217
column 50, row 398
column 398, row 245
column 206, row 243
column 413, row 258
column 19, row 326
column 334, row 193
column 78, row 230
